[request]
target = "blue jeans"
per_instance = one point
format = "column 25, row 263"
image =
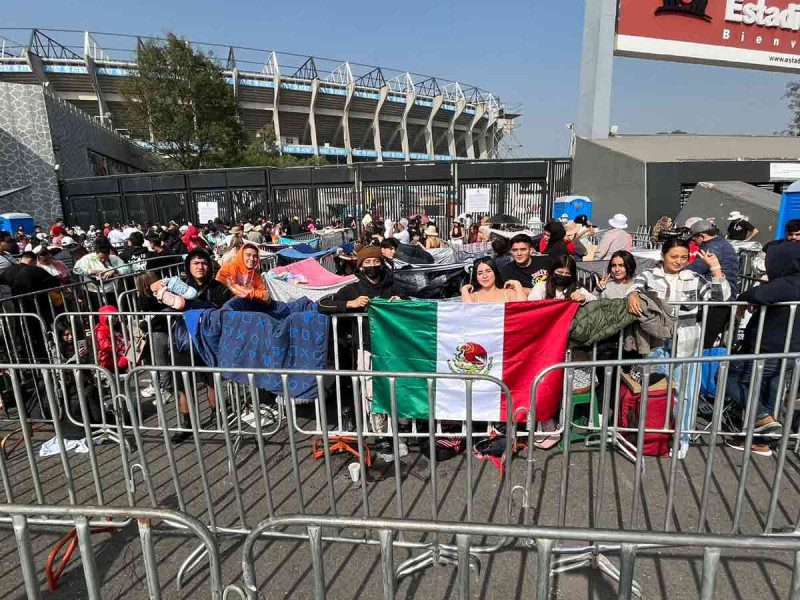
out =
column 739, row 377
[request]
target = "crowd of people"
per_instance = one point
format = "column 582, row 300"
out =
column 223, row 261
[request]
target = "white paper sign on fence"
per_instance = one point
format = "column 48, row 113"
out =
column 478, row 200
column 207, row 211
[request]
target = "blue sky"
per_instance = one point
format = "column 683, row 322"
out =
column 526, row 52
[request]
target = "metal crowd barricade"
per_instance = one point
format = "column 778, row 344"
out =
column 84, row 519
column 544, row 539
column 272, row 488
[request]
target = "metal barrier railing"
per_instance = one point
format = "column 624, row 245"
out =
column 545, row 540
column 83, row 519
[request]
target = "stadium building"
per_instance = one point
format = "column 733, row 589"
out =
column 344, row 111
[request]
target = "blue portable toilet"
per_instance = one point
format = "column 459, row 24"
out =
column 572, row 206
column 10, row 222
column 790, row 208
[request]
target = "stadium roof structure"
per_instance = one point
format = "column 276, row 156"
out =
column 316, row 106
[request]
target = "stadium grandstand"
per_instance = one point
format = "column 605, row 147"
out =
column 344, row 111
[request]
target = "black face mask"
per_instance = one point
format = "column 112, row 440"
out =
column 562, row 280
column 373, row 272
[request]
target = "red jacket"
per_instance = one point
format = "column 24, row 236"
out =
column 110, row 345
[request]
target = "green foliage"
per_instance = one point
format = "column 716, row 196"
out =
column 793, row 96
column 180, row 100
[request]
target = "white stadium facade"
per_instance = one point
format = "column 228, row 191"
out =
column 344, row 111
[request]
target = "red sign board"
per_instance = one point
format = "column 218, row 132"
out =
column 761, row 34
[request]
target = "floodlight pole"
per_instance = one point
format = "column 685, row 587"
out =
column 594, row 102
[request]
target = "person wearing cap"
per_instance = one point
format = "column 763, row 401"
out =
column 254, row 235
column 295, row 228
column 739, row 227
column 374, row 280
column 706, row 236
column 616, row 239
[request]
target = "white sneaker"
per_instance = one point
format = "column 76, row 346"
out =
column 148, row 392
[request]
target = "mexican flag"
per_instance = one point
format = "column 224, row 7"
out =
column 512, row 342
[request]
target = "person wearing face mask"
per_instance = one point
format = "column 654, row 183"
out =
column 619, row 277
column 374, row 280
column 561, row 283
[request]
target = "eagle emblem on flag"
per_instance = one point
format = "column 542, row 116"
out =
column 472, row 359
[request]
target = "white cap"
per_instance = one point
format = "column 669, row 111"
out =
column 67, row 241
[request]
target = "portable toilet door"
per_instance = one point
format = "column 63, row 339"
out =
column 790, row 209
column 572, row 206
column 10, row 222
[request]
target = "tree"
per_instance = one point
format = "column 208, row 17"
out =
column 180, row 100
column 793, row 96
column 263, row 152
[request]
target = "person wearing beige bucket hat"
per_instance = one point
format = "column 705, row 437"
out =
column 615, row 239
column 432, row 240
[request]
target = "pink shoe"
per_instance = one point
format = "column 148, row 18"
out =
column 550, row 441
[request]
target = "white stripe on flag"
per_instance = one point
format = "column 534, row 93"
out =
column 457, row 326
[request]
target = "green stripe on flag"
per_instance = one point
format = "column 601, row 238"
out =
column 402, row 338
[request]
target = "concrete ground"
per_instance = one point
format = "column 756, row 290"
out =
column 352, row 571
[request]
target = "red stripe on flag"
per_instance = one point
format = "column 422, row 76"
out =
column 535, row 338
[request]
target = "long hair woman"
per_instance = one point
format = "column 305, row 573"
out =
column 487, row 285
column 619, row 275
column 561, row 282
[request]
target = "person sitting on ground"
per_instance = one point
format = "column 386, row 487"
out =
column 662, row 225
column 473, row 234
column 135, row 252
column 192, row 239
column 432, row 237
column 793, row 230
column 618, row 279
column 389, row 249
column 54, row 267
column 553, row 240
column 739, row 228
column 617, row 238
column 561, row 283
column 487, row 285
column 672, row 282
column 706, row 236
column 783, row 271
column 523, row 265
column 243, row 275
column 501, row 247
column 401, row 233
column 457, row 233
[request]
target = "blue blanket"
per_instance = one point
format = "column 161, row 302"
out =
column 313, row 242
column 303, row 251
column 251, row 335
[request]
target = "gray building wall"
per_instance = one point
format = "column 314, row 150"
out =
column 74, row 133
column 614, row 182
column 26, row 153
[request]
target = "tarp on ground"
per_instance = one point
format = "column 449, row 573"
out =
column 321, row 282
column 302, row 252
column 443, row 256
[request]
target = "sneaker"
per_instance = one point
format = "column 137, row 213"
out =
column 767, row 425
column 738, row 444
column 148, row 392
column 170, row 299
column 176, row 285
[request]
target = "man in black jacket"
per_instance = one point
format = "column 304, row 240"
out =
column 783, row 270
column 375, row 280
column 134, row 251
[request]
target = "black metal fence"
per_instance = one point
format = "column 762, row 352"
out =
column 522, row 188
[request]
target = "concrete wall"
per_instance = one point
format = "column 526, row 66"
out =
column 26, row 154
column 614, row 182
column 74, row 133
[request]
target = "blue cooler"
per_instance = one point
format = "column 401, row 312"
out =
column 572, row 206
column 10, row 222
column 790, row 209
